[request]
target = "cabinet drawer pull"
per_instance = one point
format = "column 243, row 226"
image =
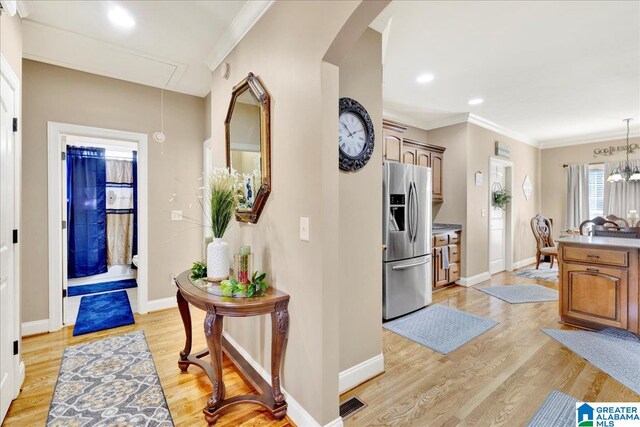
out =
column 593, row 256
column 593, row 269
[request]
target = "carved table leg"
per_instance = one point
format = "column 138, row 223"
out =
column 213, row 333
column 279, row 329
column 183, row 306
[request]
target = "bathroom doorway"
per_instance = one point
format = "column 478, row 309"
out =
column 98, row 200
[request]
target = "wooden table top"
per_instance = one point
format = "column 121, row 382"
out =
column 194, row 292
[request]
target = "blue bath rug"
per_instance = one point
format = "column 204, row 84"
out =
column 103, row 311
column 95, row 288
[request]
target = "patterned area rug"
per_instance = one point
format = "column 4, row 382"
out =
column 109, row 382
column 518, row 294
column 558, row 410
column 542, row 273
column 611, row 350
column 440, row 328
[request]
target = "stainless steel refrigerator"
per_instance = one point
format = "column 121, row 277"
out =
column 406, row 225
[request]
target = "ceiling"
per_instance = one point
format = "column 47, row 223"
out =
column 174, row 44
column 552, row 73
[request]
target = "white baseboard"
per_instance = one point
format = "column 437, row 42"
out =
column 524, row 262
column 356, row 375
column 474, row 280
column 35, row 327
column 162, row 304
column 295, row 410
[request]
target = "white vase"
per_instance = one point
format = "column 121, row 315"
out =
column 217, row 260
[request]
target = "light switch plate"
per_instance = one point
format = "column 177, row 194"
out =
column 483, row 212
column 304, row 228
column 176, row 215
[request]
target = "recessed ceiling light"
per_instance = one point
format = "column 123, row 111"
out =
column 121, row 17
column 424, row 78
column 476, row 101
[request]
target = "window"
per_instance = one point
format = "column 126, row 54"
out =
column 596, row 190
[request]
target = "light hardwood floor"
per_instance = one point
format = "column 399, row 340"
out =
column 498, row 379
column 186, row 394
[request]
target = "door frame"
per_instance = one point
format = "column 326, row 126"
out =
column 56, row 142
column 16, row 84
column 509, row 213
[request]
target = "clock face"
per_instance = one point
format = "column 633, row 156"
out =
column 353, row 134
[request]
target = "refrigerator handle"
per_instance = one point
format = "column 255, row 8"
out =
column 410, row 213
column 416, row 212
column 404, row 267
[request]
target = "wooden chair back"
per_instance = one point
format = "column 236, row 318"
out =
column 587, row 226
column 541, row 228
column 620, row 221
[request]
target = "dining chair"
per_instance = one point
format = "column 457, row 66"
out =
column 607, row 232
column 545, row 246
column 587, row 226
column 620, row 221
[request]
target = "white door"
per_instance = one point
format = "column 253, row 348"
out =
column 497, row 222
column 7, row 266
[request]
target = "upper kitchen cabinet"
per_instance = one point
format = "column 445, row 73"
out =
column 397, row 148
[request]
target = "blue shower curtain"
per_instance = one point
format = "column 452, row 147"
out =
column 86, row 212
column 134, row 245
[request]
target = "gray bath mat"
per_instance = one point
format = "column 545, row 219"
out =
column 440, row 328
column 542, row 273
column 112, row 381
column 558, row 410
column 518, row 294
column 613, row 351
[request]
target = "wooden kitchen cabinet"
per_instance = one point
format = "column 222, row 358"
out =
column 446, row 276
column 399, row 149
column 595, row 294
column 599, row 285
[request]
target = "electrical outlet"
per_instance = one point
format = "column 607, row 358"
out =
column 176, row 215
column 304, row 228
column 483, row 212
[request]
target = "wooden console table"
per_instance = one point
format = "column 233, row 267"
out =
column 274, row 302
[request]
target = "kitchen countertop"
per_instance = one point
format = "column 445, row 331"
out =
column 602, row 241
column 445, row 228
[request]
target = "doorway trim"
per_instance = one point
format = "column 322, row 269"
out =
column 509, row 215
column 56, row 144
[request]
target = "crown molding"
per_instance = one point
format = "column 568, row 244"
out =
column 590, row 138
column 250, row 13
column 479, row 121
column 454, row 119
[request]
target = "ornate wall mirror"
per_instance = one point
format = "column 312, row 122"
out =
column 247, row 129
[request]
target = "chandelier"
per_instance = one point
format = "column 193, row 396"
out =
column 625, row 174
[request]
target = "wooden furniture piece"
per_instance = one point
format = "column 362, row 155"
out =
column 274, row 302
column 621, row 222
column 442, row 242
column 397, row 148
column 599, row 282
column 587, row 226
column 542, row 231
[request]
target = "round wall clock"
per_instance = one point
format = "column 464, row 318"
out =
column 356, row 137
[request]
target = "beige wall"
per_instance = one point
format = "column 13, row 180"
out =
column 58, row 94
column 360, row 236
column 11, row 41
column 526, row 161
column 416, row 134
column 554, row 186
column 207, row 116
column 286, row 48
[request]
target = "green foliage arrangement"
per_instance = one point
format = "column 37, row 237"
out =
column 501, row 199
column 223, row 199
column 257, row 287
column 198, row 270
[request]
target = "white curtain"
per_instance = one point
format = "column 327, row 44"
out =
column 577, row 195
column 119, row 211
column 620, row 197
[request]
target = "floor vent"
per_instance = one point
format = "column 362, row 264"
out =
column 350, row 407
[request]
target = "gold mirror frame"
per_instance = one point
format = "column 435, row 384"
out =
column 255, row 85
